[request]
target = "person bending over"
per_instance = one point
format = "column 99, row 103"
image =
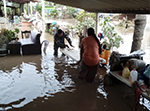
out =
column 59, row 41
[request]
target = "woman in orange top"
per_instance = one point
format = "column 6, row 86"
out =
column 89, row 56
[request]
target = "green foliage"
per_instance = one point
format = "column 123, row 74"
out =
column 7, row 35
column 53, row 13
column 66, row 12
column 10, row 34
column 25, row 8
column 8, row 10
column 3, row 36
column 85, row 19
column 82, row 15
column 17, row 30
column 112, row 39
column 38, row 7
column 70, row 10
column 48, row 3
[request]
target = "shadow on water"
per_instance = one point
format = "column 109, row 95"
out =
column 48, row 83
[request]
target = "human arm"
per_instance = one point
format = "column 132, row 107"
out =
column 69, row 40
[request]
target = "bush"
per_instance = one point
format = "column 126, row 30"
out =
column 111, row 37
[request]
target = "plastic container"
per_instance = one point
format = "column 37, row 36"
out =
column 105, row 55
column 133, row 75
column 125, row 71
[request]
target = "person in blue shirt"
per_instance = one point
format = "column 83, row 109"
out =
column 59, row 41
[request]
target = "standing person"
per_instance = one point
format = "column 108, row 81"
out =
column 89, row 56
column 59, row 38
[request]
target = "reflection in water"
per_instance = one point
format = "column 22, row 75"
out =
column 102, row 91
column 145, row 102
column 24, row 84
column 17, row 85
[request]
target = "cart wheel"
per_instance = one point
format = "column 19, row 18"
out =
column 107, row 80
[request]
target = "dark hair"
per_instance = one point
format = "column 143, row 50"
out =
column 59, row 31
column 91, row 32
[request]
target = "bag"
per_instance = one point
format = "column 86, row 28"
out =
column 147, row 72
column 142, row 76
column 136, row 63
column 126, row 72
column 114, row 61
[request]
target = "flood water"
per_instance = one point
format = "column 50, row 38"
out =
column 48, row 83
column 127, row 35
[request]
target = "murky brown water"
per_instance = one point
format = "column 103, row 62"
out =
column 48, row 83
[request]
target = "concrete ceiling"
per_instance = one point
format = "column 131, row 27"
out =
column 104, row 6
column 109, row 6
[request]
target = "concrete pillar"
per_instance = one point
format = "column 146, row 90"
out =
column 43, row 9
column 4, row 1
column 96, row 28
column 31, row 7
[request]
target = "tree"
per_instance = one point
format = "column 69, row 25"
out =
column 140, row 23
column 38, row 7
column 111, row 39
column 53, row 13
column 70, row 11
column 85, row 19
